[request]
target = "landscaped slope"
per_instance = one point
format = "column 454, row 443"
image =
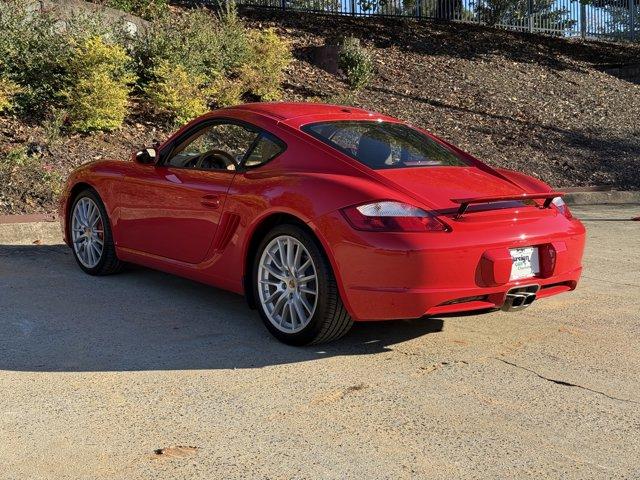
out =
column 536, row 104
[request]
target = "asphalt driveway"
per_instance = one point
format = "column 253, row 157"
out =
column 96, row 374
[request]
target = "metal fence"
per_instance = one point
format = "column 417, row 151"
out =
column 596, row 19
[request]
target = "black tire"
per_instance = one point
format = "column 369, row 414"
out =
column 109, row 262
column 330, row 320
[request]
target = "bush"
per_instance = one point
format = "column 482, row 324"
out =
column 193, row 60
column 8, row 90
column 190, row 40
column 28, row 178
column 208, row 60
column 99, row 94
column 356, row 63
column 147, row 9
column 185, row 63
column 232, row 41
column 62, row 67
column 270, row 56
column 225, row 92
column 34, row 54
column 174, row 91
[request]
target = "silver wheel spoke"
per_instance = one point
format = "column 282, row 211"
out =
column 298, row 308
column 296, row 259
column 275, row 261
column 293, row 314
column 279, row 276
column 283, row 255
column 305, row 265
column 277, row 293
column 289, row 254
column 279, row 305
column 306, row 304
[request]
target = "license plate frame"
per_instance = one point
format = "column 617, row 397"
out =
column 525, row 262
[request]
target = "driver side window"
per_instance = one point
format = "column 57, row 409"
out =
column 220, row 146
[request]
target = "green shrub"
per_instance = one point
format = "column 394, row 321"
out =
column 264, row 72
column 99, row 94
column 177, row 93
column 356, row 63
column 8, row 90
column 225, row 92
column 148, row 9
column 191, row 58
column 38, row 54
column 28, row 178
column 232, row 41
column 35, row 54
column 189, row 39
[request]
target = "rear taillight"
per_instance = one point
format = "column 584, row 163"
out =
column 388, row 216
column 562, row 207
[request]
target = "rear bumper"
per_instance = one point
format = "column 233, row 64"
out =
column 386, row 304
column 385, row 276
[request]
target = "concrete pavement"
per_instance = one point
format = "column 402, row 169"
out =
column 97, row 374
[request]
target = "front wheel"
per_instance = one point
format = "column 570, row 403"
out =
column 296, row 291
column 90, row 233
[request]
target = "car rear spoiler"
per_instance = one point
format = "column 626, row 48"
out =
column 465, row 202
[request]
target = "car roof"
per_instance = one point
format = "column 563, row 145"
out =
column 293, row 112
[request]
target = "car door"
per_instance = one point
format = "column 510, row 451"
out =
column 172, row 209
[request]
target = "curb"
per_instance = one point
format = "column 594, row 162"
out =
column 16, row 232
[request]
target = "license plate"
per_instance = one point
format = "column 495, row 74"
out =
column 526, row 262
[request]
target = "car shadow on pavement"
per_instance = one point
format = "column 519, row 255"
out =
column 53, row 317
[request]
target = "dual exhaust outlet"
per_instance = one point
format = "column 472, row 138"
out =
column 519, row 298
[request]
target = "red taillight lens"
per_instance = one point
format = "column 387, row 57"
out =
column 392, row 217
column 562, row 207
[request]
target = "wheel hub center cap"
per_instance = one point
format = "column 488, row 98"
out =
column 292, row 284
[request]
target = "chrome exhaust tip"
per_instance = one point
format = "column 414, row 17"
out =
column 519, row 298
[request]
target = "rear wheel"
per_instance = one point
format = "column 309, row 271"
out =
column 296, row 291
column 90, row 234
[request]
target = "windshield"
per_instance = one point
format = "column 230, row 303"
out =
column 381, row 145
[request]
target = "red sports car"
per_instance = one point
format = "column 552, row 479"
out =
column 322, row 215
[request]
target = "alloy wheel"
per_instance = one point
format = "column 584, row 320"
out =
column 287, row 284
column 87, row 232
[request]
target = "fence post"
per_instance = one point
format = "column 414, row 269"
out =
column 353, row 7
column 530, row 14
column 419, row 5
column 283, row 4
column 632, row 20
column 583, row 19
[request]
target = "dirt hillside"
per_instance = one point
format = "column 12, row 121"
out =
column 537, row 104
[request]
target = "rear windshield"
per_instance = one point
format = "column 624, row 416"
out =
column 381, row 145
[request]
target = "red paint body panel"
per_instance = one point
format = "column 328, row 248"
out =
column 199, row 224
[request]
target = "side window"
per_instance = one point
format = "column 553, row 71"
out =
column 264, row 150
column 220, row 146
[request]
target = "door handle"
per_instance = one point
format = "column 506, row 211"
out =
column 211, row 201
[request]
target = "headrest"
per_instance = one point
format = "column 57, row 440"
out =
column 373, row 149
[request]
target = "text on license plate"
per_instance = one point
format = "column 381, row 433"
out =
column 526, row 262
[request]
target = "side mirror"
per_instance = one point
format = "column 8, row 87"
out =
column 146, row 156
